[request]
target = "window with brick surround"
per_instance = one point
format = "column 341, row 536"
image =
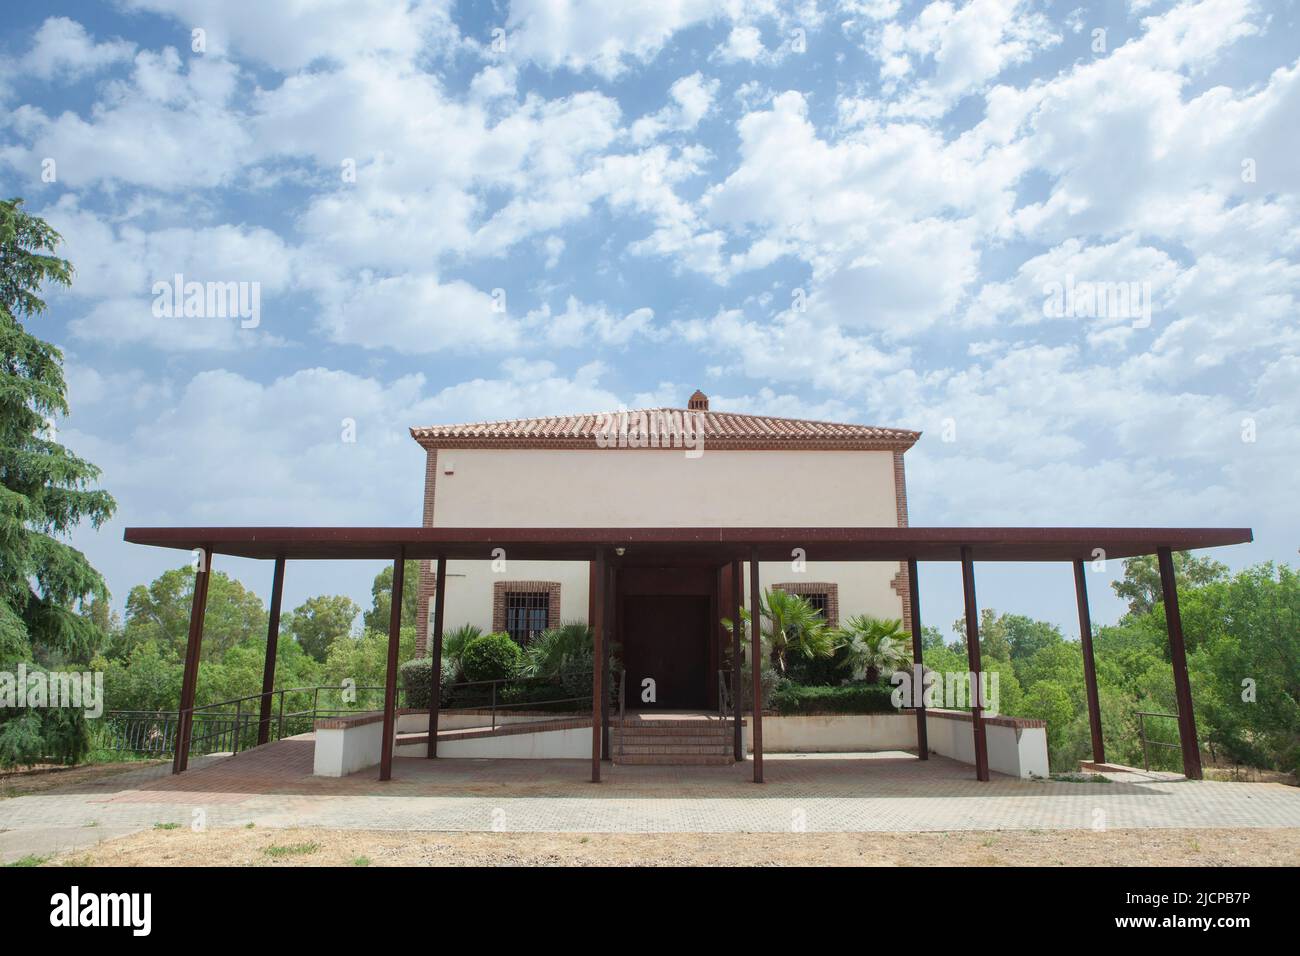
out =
column 526, row 614
column 819, row 600
column 824, row 596
column 523, row 609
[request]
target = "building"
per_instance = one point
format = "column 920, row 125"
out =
column 653, row 526
column 686, row 467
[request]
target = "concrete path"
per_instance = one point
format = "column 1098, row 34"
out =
column 273, row 787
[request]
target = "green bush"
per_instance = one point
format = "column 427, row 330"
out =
column 416, row 679
column 826, row 671
column 543, row 694
column 856, row 698
column 575, row 676
column 491, row 657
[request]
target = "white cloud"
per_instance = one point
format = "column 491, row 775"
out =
column 606, row 38
column 968, row 46
column 743, row 44
column 582, row 325
column 62, row 49
column 692, row 99
column 117, row 267
column 168, row 127
column 290, row 36
column 416, row 313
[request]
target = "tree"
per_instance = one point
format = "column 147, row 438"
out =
column 45, row 492
column 160, row 613
column 1049, row 701
column 994, row 641
column 1027, row 637
column 1141, row 583
column 931, row 639
column 381, row 594
column 319, row 621
column 1245, row 669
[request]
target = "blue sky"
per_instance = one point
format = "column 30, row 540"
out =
column 842, row 210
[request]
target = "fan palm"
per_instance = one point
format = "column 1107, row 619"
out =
column 453, row 646
column 875, row 645
column 547, row 654
column 790, row 625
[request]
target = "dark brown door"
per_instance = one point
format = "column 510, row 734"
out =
column 666, row 638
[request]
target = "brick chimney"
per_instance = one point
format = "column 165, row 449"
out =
column 698, row 402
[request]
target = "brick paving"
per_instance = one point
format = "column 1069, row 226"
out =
column 272, row 786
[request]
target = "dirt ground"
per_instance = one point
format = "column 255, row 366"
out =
column 19, row 783
column 318, row 847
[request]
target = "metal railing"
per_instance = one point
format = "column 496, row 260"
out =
column 229, row 726
column 724, row 692
column 494, row 703
column 1142, row 735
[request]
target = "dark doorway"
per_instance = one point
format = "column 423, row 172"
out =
column 666, row 637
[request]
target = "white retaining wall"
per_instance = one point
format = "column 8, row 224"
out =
column 1016, row 747
column 837, row 733
column 344, row 750
column 572, row 742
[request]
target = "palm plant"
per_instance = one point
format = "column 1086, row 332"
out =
column 453, row 646
column 790, row 625
column 551, row 651
column 875, row 645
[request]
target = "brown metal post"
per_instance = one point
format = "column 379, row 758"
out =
column 597, row 656
column 737, row 690
column 611, row 590
column 190, row 675
column 1089, row 663
column 1178, row 658
column 918, row 669
column 435, row 659
column 390, row 677
column 756, row 653
column 973, row 656
column 272, row 643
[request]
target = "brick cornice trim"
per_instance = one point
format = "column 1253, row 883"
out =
column 899, row 582
column 426, row 583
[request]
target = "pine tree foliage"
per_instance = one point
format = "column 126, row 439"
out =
column 45, row 490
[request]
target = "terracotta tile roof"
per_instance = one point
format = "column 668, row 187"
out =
column 722, row 430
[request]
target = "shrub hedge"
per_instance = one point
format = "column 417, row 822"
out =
column 856, row 698
column 416, row 676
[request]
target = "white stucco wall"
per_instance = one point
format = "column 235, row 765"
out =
column 654, row 488
column 662, row 489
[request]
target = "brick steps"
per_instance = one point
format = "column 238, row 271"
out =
column 676, row 760
column 682, row 741
column 645, row 740
column 712, row 748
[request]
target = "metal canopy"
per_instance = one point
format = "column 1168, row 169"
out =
column 690, row 545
